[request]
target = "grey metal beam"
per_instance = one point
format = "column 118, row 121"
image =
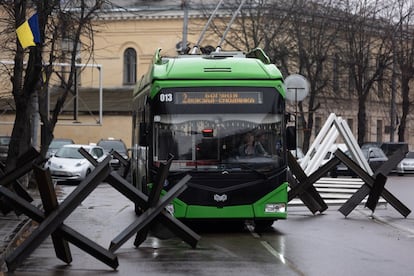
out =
column 392, row 162
column 306, row 198
column 24, row 165
column 365, row 189
column 144, row 201
column 178, row 228
column 154, row 197
column 376, row 191
column 67, row 232
column 121, row 159
column 304, row 188
column 148, row 215
column 50, row 203
column 57, row 217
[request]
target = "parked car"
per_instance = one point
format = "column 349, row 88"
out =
column 390, row 147
column 117, row 145
column 371, row 145
column 4, row 148
column 69, row 164
column 407, row 164
column 375, row 157
column 56, row 144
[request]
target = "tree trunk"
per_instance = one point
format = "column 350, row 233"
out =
column 405, row 89
column 362, row 118
column 21, row 133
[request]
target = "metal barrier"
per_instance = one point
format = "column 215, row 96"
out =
column 152, row 207
column 374, row 185
column 51, row 220
column 10, row 179
column 124, row 162
column 302, row 185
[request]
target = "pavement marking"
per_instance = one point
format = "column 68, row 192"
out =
column 272, row 251
column 279, row 256
column 282, row 258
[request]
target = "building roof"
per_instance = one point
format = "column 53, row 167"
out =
column 163, row 4
column 157, row 9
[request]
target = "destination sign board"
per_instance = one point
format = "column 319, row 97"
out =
column 227, row 97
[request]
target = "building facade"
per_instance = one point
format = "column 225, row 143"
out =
column 125, row 40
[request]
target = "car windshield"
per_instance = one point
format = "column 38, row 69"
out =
column 56, row 144
column 410, row 154
column 113, row 145
column 373, row 153
column 69, row 152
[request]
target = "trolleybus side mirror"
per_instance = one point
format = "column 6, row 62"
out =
column 143, row 135
column 291, row 137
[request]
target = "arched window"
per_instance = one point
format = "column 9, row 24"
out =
column 130, row 66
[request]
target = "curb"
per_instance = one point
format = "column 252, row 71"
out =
column 23, row 224
column 21, row 228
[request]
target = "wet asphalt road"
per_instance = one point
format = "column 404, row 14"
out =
column 304, row 244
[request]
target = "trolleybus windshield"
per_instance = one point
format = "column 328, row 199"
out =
column 243, row 134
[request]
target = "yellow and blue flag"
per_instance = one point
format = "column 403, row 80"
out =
column 28, row 33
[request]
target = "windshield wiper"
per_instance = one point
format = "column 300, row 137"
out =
column 250, row 168
column 267, row 176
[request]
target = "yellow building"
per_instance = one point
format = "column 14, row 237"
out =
column 124, row 43
column 125, row 39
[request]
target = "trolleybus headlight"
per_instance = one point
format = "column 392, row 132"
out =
column 275, row 208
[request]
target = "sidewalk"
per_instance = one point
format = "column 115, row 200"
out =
column 12, row 227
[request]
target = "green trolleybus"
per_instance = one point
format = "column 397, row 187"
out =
column 221, row 117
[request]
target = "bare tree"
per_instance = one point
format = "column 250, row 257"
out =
column 57, row 20
column 71, row 24
column 299, row 37
column 314, row 30
column 404, row 58
column 260, row 23
column 25, row 81
column 366, row 50
column 307, row 36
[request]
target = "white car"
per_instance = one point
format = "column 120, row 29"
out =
column 407, row 164
column 69, row 164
